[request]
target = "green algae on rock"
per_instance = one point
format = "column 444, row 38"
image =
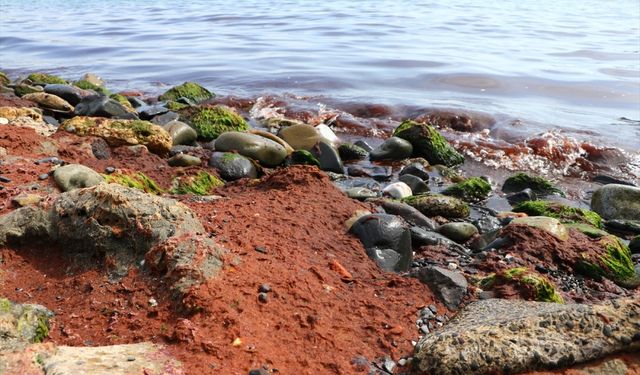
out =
column 428, row 143
column 137, row 180
column 175, row 106
column 534, row 286
column 86, row 85
column 189, row 90
column 200, row 184
column 45, row 79
column 587, row 229
column 123, row 100
column 439, row 205
column 304, row 157
column 210, row 122
column 4, row 80
column 521, row 181
column 559, row 211
column 473, row 189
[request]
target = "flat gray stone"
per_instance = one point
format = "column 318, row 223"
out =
column 76, row 176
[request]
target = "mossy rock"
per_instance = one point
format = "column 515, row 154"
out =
column 4, row 80
column 349, row 151
column 539, row 185
column 614, row 263
column 523, row 279
column 428, row 143
column 210, row 122
column 45, row 79
column 138, row 181
column 473, row 189
column 559, row 211
column 189, row 90
column 123, row 100
column 175, row 106
column 23, row 89
column 587, row 229
column 22, row 324
column 200, row 184
column 86, row 85
column 304, row 157
column 439, row 205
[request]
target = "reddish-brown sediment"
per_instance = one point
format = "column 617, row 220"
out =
column 7, row 100
column 286, row 231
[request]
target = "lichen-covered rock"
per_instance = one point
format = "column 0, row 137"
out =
column 23, row 89
column 304, row 157
column 22, row 324
column 76, row 176
column 264, row 150
column 439, row 205
column 615, row 201
column 527, row 284
column 189, row 90
column 538, row 185
column 473, row 189
column 121, row 132
column 210, row 122
column 511, row 336
column 428, row 143
column 559, row 211
column 89, row 85
column 613, row 263
column 45, row 79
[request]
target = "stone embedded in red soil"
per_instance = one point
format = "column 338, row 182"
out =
column 313, row 321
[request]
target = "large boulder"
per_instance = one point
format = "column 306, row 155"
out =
column 512, row 336
column 121, row 132
column 616, row 201
column 428, row 143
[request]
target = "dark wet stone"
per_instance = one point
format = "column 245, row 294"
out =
column 233, row 166
column 624, row 226
column 379, row 173
column 393, row 148
column 165, row 118
column 344, row 183
column 423, row 237
column 5, row 179
column 328, row 157
column 100, row 149
column 408, row 213
column 417, row 185
column 364, row 145
column 101, row 106
column 387, row 240
column 51, row 120
column 72, row 94
column 521, row 196
column 264, row 288
column 606, row 180
column 184, row 160
column 449, row 286
column 417, row 170
column 458, row 232
column 263, row 297
column 149, row 112
column 136, row 102
column 634, row 245
column 487, row 223
column 350, row 151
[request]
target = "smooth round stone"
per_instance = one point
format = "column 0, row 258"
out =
column 417, row 170
column 328, row 157
column 233, row 166
column 360, row 193
column 149, row 112
column 165, row 118
column 184, row 160
column 70, row 93
column 43, row 176
column 327, row 134
column 181, row 133
column 300, row 137
column 101, row 106
column 615, row 201
column 49, row 101
column 397, row 190
column 393, row 148
column 417, row 185
column 4, row 121
column 266, row 151
column 458, row 232
column 76, row 176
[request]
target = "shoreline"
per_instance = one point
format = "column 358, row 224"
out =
column 291, row 247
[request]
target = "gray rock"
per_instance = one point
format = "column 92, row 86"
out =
column 416, row 169
column 70, row 93
column 101, row 106
column 364, row 145
column 393, row 148
column 165, row 118
column 387, row 240
column 512, row 336
column 624, row 226
column 360, row 193
column 22, row 324
column 423, row 237
column 76, row 176
column 328, row 157
column 184, row 160
column 151, row 111
column 377, row 172
column 417, row 185
column 487, row 223
column 350, row 151
column 449, row 286
column 269, row 153
column 458, row 232
column 408, row 213
column 233, row 166
column 181, row 133
column 616, row 201
column 521, row 196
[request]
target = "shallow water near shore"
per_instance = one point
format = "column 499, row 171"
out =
column 570, row 67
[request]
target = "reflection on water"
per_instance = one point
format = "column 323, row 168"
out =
column 573, row 65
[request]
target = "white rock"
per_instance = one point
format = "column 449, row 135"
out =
column 328, row 134
column 4, row 121
column 397, row 190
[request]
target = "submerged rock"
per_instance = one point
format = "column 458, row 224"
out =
column 428, row 143
column 498, row 336
column 386, row 239
column 616, row 201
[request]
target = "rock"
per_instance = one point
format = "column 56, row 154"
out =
column 459, row 232
column 151, row 111
column 387, row 240
column 300, row 137
column 13, row 113
column 397, row 190
column 605, row 180
column 473, row 189
column 184, row 160
column 165, row 118
column 72, row 94
column 416, row 184
column 189, row 90
column 328, row 135
column 121, row 132
column 140, row 358
column 548, row 224
column 21, row 324
column 92, row 79
column 449, row 286
column 624, row 226
column 49, row 101
column 349, row 151
column 587, row 229
column 522, row 283
column 393, row 148
column 76, row 176
column 304, row 157
column 272, row 137
column 521, row 196
column 634, row 245
column 266, row 151
column 428, row 143
column 4, row 80
column 181, row 133
column 559, row 211
column 364, row 145
column 328, row 157
column 360, row 193
column 233, row 166
column 615, row 201
column 87, row 85
column 24, row 199
column 210, row 122
column 416, row 169
column 408, row 213
column 23, row 89
column 377, row 172
column 538, row 185
column 101, row 106
column 423, row 237
column 42, row 79
column 439, row 205
column 511, row 336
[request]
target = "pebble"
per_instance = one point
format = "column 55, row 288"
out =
column 131, row 358
column 153, row 302
column 424, row 329
column 109, row 170
column 263, row 297
column 43, row 176
column 397, row 190
column 4, row 179
column 264, row 288
column 261, row 249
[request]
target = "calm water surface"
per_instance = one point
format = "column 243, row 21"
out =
column 573, row 66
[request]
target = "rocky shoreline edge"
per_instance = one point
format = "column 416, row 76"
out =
column 167, row 235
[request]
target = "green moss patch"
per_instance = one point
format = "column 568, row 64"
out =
column 522, row 278
column 538, row 185
column 304, row 157
column 559, row 211
column 122, row 100
column 138, row 181
column 175, row 106
column 45, row 79
column 210, row 122
column 473, row 189
column 200, row 184
column 428, row 143
column 617, row 261
column 189, row 90
column 4, row 80
column 86, row 85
